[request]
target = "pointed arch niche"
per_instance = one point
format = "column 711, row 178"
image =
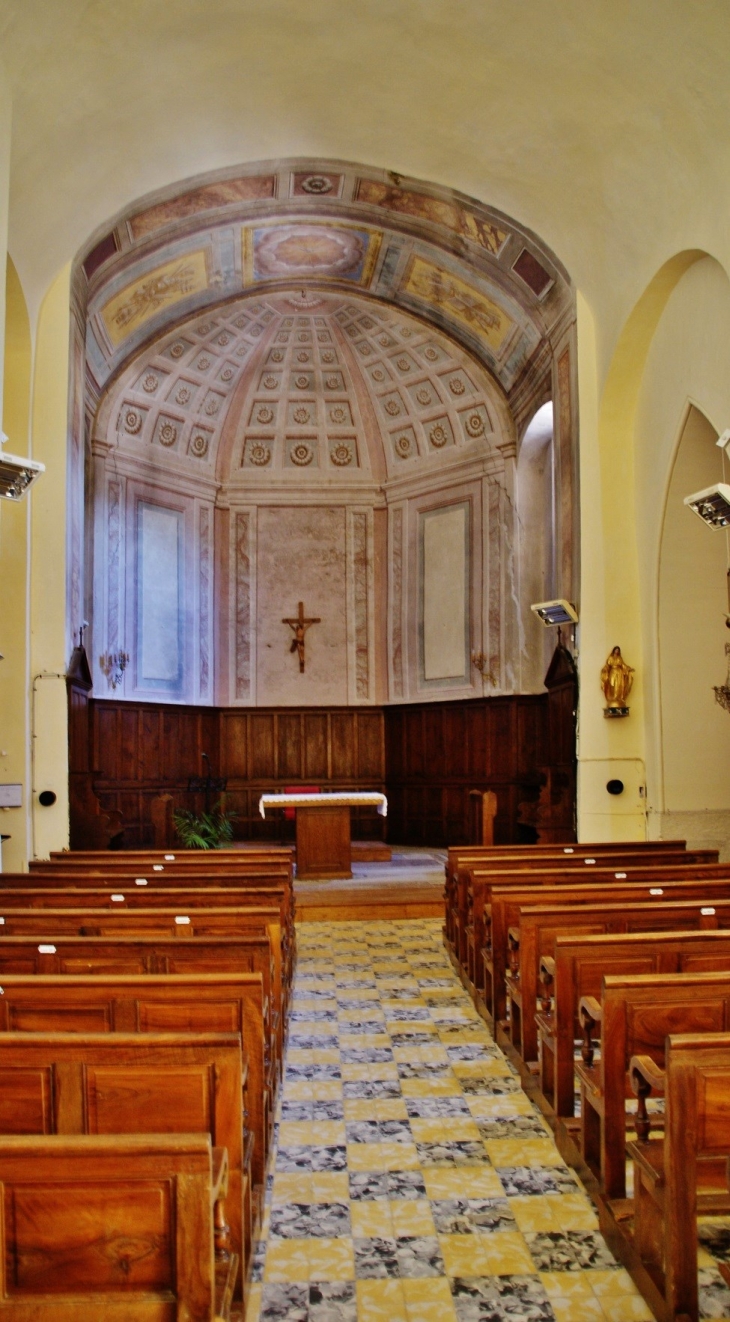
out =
column 308, row 381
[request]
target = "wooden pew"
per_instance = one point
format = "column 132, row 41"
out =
column 539, row 926
column 634, row 1016
column 179, row 899
column 501, row 903
column 131, row 1003
column 470, row 891
column 577, row 969
column 175, row 855
column 112, row 1229
column 132, row 956
column 201, row 922
column 685, row 1173
column 132, row 1083
column 470, row 857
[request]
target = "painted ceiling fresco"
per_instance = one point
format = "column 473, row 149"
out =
column 458, row 264
column 299, row 386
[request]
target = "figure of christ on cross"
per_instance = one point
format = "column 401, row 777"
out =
column 299, row 627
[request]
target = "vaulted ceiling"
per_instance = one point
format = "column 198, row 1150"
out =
column 295, row 225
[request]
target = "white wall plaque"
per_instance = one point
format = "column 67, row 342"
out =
column 11, row 796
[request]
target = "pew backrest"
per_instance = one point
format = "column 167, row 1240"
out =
column 107, row 1227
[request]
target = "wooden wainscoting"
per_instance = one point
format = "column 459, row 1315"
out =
column 142, row 750
column 425, row 756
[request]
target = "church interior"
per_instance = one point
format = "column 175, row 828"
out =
column 365, row 661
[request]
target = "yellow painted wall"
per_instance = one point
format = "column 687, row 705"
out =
column 683, row 404
column 602, row 128
column 14, row 548
column 48, row 641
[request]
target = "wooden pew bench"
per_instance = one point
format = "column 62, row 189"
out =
column 181, row 900
column 538, row 926
column 634, row 1016
column 132, row 1083
column 222, row 1002
column 489, row 858
column 685, row 1173
column 197, row 923
column 501, row 912
column 112, row 1229
column 485, row 923
column 576, row 972
column 459, row 882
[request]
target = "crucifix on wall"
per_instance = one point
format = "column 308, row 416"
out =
column 299, row 626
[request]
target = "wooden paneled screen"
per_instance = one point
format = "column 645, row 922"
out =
column 426, row 757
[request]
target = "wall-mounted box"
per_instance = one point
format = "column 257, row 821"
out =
column 11, row 796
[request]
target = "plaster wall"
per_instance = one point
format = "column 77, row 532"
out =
column 302, row 556
column 14, row 552
column 683, row 405
column 48, row 650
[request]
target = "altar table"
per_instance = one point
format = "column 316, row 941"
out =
column 323, row 828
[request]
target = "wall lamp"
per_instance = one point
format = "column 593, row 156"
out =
column 555, row 612
column 16, row 474
column 713, row 504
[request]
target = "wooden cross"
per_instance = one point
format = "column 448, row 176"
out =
column 299, row 627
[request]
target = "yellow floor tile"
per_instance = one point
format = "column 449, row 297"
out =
column 311, row 1132
column 467, row 1182
column 456, row 1129
column 523, row 1152
column 430, row 1088
column 411, row 1217
column 330, row 1187
column 315, row 1028
column 573, row 1211
column 364, row 1041
column 429, row 1300
column 291, row 1187
column 326, row 1090
column 535, row 1214
column 381, row 1301
column 483, row 1107
column 501, row 1254
column 286, row 1260
column 382, row 1157
column 370, row 1218
column 331, row 1259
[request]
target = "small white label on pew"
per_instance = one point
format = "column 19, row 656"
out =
column 158, row 867
column 181, row 920
column 2, row 991
column 117, row 899
column 47, row 950
column 620, row 876
column 169, row 858
column 588, row 861
column 656, row 890
column 140, row 881
column 2, row 921
column 568, row 851
column 707, row 913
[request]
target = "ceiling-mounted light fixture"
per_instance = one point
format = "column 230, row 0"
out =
column 555, row 612
column 16, row 474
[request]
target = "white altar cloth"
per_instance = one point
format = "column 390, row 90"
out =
column 354, row 799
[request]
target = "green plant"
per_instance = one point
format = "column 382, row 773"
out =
column 205, row 831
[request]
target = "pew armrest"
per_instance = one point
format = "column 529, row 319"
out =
column 590, row 1009
column 646, row 1076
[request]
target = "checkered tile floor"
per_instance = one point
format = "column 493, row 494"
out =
column 413, row 1180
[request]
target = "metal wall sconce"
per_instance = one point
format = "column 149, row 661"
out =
column 114, row 665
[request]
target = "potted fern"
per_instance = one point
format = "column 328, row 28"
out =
column 207, row 830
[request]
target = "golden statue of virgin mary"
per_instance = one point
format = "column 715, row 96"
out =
column 616, row 681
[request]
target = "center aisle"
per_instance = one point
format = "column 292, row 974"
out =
column 413, row 1180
